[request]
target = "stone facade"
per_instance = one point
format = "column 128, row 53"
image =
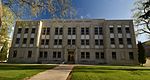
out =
column 91, row 41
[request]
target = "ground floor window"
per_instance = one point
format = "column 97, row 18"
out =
column 43, row 54
column 113, row 55
column 56, row 54
column 99, row 55
column 131, row 56
column 29, row 54
column 85, row 55
column 14, row 53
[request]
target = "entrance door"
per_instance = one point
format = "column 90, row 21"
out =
column 70, row 57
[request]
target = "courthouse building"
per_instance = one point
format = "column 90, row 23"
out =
column 85, row 41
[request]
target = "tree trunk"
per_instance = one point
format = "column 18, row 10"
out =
column 0, row 13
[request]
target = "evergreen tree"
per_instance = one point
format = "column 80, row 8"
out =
column 141, row 53
column 4, row 51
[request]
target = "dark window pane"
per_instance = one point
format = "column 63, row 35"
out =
column 82, row 42
column 69, row 41
column 82, row 31
column 19, row 30
column 82, row 55
column 87, row 55
column 87, row 42
column 43, row 31
column 41, row 54
column 14, row 53
column 101, row 42
column 17, row 40
column 47, row 41
column 55, row 42
column 48, row 31
column 102, row 55
column 24, row 40
column 69, row 31
column 96, row 42
column 119, row 30
column 111, row 30
column 131, row 56
column 127, row 30
column 113, row 55
column 129, row 41
column 59, row 54
column 54, row 54
column 100, row 30
column 96, row 30
column 73, row 42
column 42, row 42
column 73, row 31
column 112, row 40
column 61, row 31
column 56, row 31
column 120, row 41
column 97, row 55
column 32, row 41
column 87, row 31
column 60, row 42
column 26, row 30
column 33, row 30
column 29, row 54
column 45, row 54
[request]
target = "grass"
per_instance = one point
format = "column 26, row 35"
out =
column 110, row 73
column 20, row 71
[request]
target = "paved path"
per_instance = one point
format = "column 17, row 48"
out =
column 60, row 72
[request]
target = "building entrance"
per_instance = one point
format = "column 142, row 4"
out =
column 71, row 57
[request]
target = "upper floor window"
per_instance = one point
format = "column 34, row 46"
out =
column 26, row 30
column 48, row 31
column 127, row 30
column 19, row 30
column 47, row 42
column 119, row 30
column 112, row 40
column 120, row 41
column 17, row 40
column 24, row 40
column 98, row 30
column 32, row 41
column 111, row 30
column 129, row 41
column 85, row 31
column 98, row 42
column 58, row 42
column 58, row 31
column 85, row 42
column 33, row 30
column 71, row 42
column 43, row 31
column 42, row 42
column 71, row 31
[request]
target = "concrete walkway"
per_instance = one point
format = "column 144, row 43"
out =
column 60, row 72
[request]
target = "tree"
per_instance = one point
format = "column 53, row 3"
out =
column 141, row 53
column 142, row 16
column 4, row 51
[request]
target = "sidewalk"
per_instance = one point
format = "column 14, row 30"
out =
column 60, row 72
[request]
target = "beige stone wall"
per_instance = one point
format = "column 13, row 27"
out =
column 121, row 53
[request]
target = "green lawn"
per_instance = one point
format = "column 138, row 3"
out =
column 110, row 73
column 20, row 71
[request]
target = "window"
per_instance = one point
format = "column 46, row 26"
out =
column 60, row 42
column 56, row 31
column 26, row 30
column 111, row 30
column 97, row 55
column 127, row 30
column 131, row 56
column 55, row 42
column 82, row 42
column 29, row 54
column 45, row 54
column 43, row 31
column 24, row 40
column 120, row 41
column 19, row 30
column 56, row 54
column 69, row 31
column 74, row 31
column 87, row 31
column 32, row 41
column 87, row 55
column 96, row 42
column 112, row 40
column 73, row 42
column 59, row 55
column 69, row 41
column 41, row 54
column 129, row 41
column 87, row 42
column 42, row 42
column 98, row 30
column 82, row 31
column 102, row 55
column 47, row 41
column 33, row 30
column 14, row 53
column 113, row 55
column 119, row 30
column 48, row 31
column 60, row 31
column 17, row 40
column 82, row 55
column 101, row 42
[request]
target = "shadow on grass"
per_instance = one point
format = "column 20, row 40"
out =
column 25, row 67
